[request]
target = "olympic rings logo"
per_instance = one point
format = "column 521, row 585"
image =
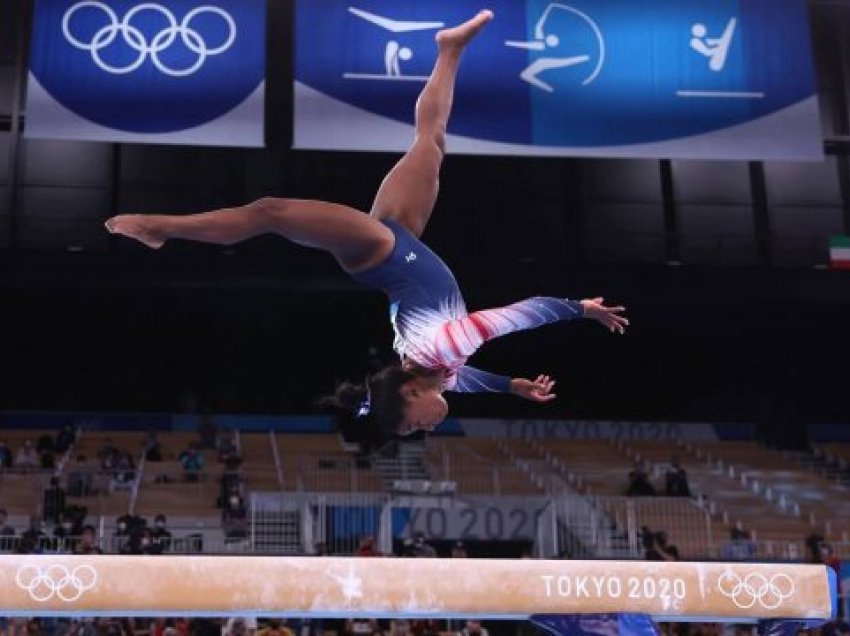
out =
column 135, row 39
column 56, row 581
column 756, row 588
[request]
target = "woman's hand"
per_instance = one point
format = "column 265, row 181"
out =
column 608, row 317
column 539, row 390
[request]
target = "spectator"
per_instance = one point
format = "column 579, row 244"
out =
column 123, row 473
column 239, row 627
column 226, row 445
column 54, row 501
column 235, row 516
column 676, row 480
column 362, row 627
column 740, row 547
column 152, row 448
column 65, row 438
column 419, row 548
column 161, row 533
column 5, row 529
column 46, row 460
column 5, row 455
column 81, row 479
column 88, row 543
column 231, row 478
column 474, row 628
column 148, row 543
column 826, row 555
column 125, row 525
column 170, row 627
column 400, row 627
column 44, row 444
column 32, row 538
column 367, row 547
column 192, row 463
column 7, row 532
column 107, row 455
column 639, row 484
column 27, row 457
column 201, row 626
column 63, row 532
column 656, row 546
column 275, row 628
column 426, row 627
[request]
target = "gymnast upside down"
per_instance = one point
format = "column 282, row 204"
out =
column 434, row 334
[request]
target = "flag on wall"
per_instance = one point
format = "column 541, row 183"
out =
column 179, row 72
column 839, row 252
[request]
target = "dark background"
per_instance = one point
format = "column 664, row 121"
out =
column 721, row 265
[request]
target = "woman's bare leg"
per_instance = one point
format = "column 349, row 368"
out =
column 409, row 191
column 355, row 239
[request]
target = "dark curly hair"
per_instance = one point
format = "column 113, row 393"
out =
column 379, row 426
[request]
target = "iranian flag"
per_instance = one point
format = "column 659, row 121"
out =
column 839, row 252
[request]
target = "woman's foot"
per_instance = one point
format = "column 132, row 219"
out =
column 459, row 36
column 139, row 227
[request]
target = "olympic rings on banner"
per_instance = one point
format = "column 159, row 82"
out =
column 144, row 46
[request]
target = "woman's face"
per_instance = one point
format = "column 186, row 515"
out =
column 425, row 409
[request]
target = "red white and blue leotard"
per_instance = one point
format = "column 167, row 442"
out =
column 432, row 326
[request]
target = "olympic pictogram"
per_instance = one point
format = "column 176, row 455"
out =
column 769, row 592
column 56, row 581
column 144, row 46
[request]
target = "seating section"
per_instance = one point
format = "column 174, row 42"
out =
column 743, row 484
column 479, row 466
column 839, row 453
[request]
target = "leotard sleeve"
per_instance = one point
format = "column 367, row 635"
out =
column 472, row 380
column 462, row 337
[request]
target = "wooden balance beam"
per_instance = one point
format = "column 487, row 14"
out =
column 63, row 585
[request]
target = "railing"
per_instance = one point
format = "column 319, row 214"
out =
column 335, row 473
column 615, row 527
column 278, row 465
column 563, row 527
column 191, row 542
column 337, row 521
column 137, row 483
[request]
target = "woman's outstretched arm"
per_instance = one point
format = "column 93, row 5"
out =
column 472, row 380
column 462, row 337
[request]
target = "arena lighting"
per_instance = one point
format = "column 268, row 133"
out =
column 300, row 587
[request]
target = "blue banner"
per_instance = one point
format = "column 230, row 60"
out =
column 123, row 70
column 659, row 78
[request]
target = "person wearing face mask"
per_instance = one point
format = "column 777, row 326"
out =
column 234, row 516
column 161, row 535
column 122, row 525
column 88, row 543
column 147, row 543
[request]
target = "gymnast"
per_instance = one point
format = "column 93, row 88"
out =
column 434, row 334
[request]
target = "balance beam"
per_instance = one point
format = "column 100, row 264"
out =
column 63, row 585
